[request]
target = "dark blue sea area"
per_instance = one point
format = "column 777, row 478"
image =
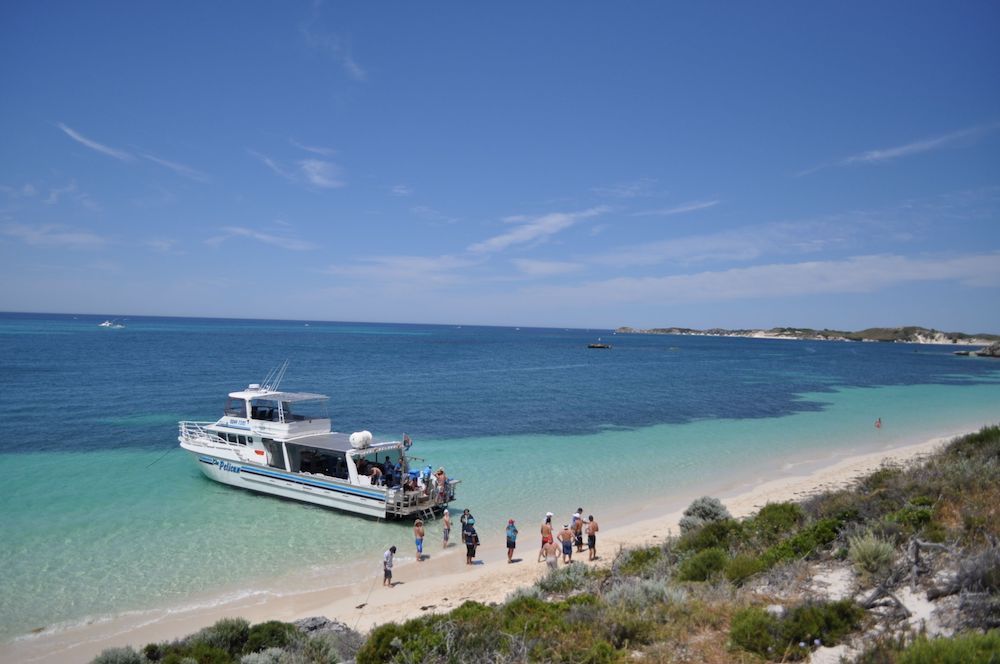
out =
column 71, row 385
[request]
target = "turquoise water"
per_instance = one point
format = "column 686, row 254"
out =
column 102, row 514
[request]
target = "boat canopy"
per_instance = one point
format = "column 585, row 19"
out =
column 279, row 396
column 339, row 442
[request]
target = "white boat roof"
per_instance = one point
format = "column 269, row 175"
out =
column 339, row 442
column 277, row 396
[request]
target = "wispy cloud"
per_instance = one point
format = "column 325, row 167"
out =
column 179, row 169
column 121, row 155
column 677, row 209
column 634, row 189
column 26, row 190
column 410, row 270
column 338, row 47
column 860, row 274
column 401, row 190
column 533, row 229
column 275, row 167
column 537, row 268
column 281, row 241
column 431, row 214
column 312, row 172
column 53, row 235
column 955, row 138
column 319, row 173
column 315, row 149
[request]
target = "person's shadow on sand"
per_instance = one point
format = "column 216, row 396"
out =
column 516, row 560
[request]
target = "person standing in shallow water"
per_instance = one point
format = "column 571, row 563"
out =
column 387, row 566
column 592, row 529
column 418, row 538
column 511, row 540
column 546, row 535
column 446, row 517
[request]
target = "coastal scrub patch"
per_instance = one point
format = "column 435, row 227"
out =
column 701, row 511
column 798, row 632
column 566, row 579
column 775, row 520
column 970, row 648
column 721, row 534
column 634, row 561
column 871, row 555
column 703, row 565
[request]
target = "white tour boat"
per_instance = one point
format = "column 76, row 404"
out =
column 281, row 443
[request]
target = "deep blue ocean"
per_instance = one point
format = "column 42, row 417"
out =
column 102, row 514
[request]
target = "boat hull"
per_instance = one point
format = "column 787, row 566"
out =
column 341, row 496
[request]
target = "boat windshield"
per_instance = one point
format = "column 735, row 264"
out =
column 272, row 410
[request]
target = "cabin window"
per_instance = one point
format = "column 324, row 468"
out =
column 236, row 408
column 232, row 438
column 242, row 440
column 264, row 409
column 221, row 436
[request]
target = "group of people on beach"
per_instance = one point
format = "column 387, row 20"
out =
column 571, row 535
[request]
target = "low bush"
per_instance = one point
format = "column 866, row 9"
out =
column 798, row 632
column 228, row 634
column 126, row 655
column 774, row 520
column 806, row 541
column 641, row 594
column 271, row 634
column 969, row 648
column 871, row 555
column 742, row 567
column 565, row 579
column 722, row 534
column 635, row 561
column 701, row 511
column 703, row 565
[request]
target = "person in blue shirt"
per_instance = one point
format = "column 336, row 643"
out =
column 511, row 540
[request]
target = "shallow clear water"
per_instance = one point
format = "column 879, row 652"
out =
column 100, row 516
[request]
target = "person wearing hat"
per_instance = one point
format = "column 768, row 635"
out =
column 511, row 540
column 418, row 537
column 546, row 535
column 566, row 538
column 446, row 519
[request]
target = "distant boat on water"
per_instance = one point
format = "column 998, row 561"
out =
column 599, row 344
column 112, row 324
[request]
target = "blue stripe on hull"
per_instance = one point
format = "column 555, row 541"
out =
column 252, row 470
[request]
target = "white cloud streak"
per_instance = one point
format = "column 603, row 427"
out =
column 860, row 274
column 53, row 235
column 968, row 135
column 401, row 190
column 534, row 229
column 339, row 48
column 635, row 189
column 538, row 268
column 315, row 149
column 322, row 174
column 289, row 243
column 120, row 155
column 179, row 169
column 678, row 209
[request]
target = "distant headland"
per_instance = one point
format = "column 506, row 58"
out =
column 910, row 334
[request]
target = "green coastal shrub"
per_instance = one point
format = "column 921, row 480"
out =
column 972, row 648
column 703, row 565
column 806, row 541
column 742, row 567
column 794, row 635
column 565, row 579
column 722, row 534
column 126, row 655
column 635, row 561
column 701, row 511
column 228, row 634
column 774, row 520
column 871, row 555
column 271, row 634
column 641, row 594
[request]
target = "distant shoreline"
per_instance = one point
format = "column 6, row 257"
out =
column 908, row 335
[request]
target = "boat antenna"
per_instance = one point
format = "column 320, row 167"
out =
column 273, row 379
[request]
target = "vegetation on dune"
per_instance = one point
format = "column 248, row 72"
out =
column 725, row 590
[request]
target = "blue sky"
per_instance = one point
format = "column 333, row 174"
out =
column 559, row 164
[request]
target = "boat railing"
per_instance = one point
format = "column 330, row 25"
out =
column 196, row 430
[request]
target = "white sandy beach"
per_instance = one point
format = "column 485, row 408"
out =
column 444, row 580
